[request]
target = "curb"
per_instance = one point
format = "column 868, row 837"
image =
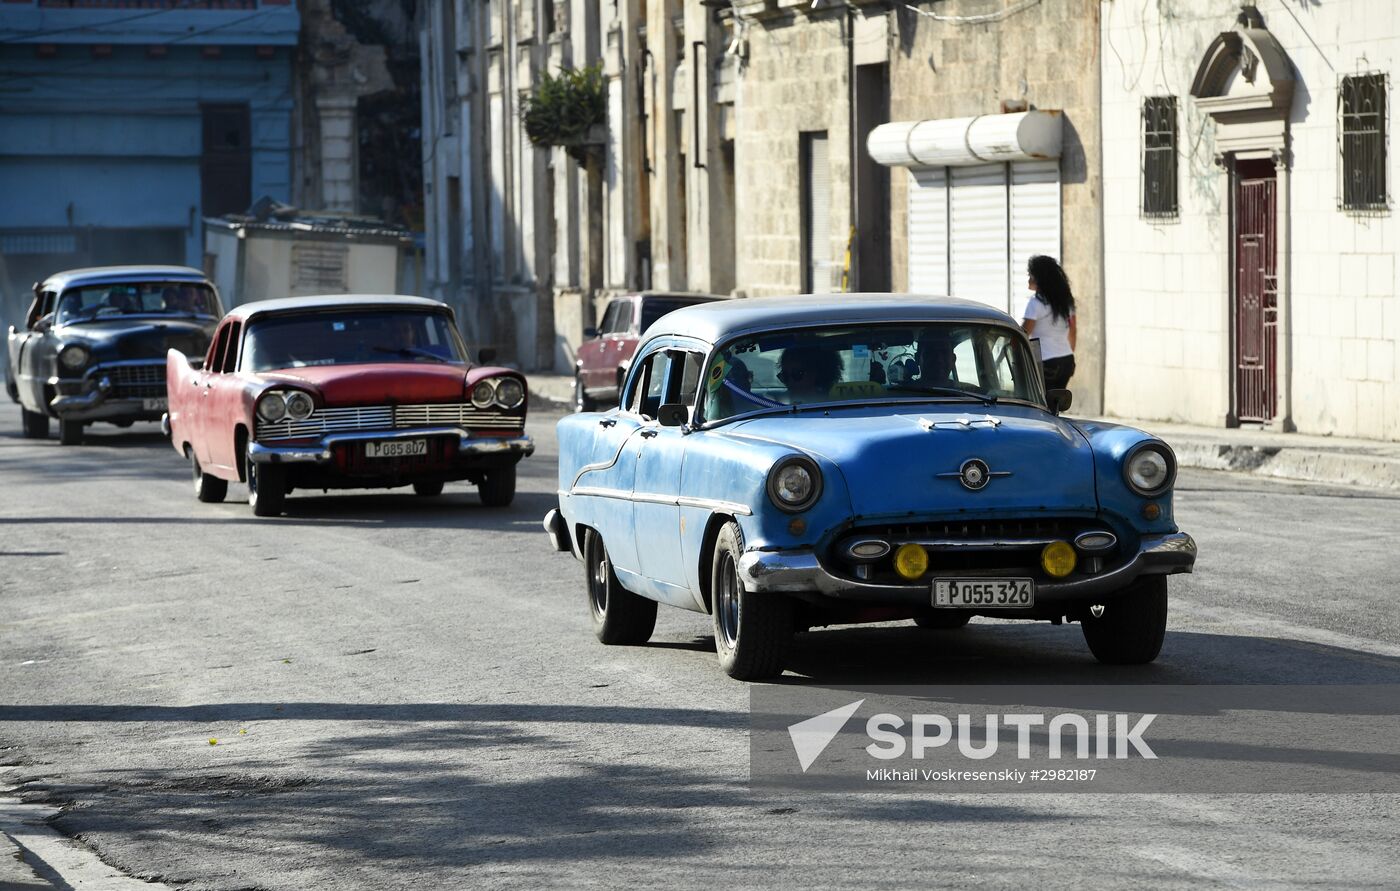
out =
column 1305, row 465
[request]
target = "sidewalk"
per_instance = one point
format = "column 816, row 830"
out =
column 1331, row 460
column 15, row 872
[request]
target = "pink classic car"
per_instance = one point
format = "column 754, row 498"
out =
column 354, row 392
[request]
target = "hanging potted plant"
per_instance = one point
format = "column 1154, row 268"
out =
column 569, row 110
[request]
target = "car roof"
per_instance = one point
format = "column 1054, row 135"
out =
column 98, row 275
column 324, row 302
column 719, row 320
column 678, row 295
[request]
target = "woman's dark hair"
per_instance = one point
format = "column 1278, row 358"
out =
column 1052, row 285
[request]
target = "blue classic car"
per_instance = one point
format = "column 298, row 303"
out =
column 787, row 463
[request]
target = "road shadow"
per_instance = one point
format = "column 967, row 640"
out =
column 1040, row 653
column 442, row 787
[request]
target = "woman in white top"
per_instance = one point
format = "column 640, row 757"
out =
column 1049, row 316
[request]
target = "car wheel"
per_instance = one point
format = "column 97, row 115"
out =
column 429, row 489
column 497, row 487
column 70, row 432
column 34, row 424
column 582, row 401
column 267, row 489
column 753, row 631
column 619, row 616
column 1132, row 626
column 207, row 488
column 943, row 619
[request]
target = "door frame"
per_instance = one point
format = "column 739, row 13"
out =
column 1282, row 419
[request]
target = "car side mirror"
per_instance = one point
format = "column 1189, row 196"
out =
column 1060, row 400
column 486, row 355
column 590, row 333
column 43, row 323
column 673, row 414
column 196, row 362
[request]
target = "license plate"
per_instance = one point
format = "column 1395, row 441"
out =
column 396, row 448
column 155, row 404
column 998, row 593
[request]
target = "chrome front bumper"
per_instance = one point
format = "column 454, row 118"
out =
column 801, row 572
column 323, row 452
column 97, row 406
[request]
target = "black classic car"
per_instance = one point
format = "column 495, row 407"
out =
column 94, row 342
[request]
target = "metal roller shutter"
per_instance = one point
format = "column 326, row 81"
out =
column 978, row 235
column 1035, row 220
column 928, row 231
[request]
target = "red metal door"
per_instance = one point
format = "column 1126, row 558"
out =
column 1256, row 292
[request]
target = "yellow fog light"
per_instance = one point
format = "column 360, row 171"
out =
column 1058, row 559
column 1151, row 511
column 911, row 561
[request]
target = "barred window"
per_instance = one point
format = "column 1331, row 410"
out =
column 1362, row 135
column 1159, row 197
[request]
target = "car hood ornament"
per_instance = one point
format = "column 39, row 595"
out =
column 974, row 474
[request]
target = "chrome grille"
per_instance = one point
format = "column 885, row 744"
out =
column 137, row 380
column 389, row 417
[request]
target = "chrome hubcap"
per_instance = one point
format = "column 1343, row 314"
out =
column 727, row 605
column 598, row 589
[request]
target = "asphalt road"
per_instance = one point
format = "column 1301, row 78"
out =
column 405, row 693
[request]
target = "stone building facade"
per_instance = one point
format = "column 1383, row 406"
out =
column 1251, row 241
column 737, row 156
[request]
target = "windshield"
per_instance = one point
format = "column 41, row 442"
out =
column 137, row 298
column 956, row 361
column 349, row 339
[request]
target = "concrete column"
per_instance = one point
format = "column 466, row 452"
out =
column 668, row 247
column 1283, row 418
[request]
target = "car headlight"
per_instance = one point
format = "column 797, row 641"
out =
column 509, row 393
column 74, row 356
column 299, row 405
column 1150, row 469
column 795, row 483
column 272, row 407
column 483, row 394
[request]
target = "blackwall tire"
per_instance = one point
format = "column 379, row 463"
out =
column 497, row 487
column 428, row 489
column 267, row 489
column 33, row 424
column 753, row 631
column 619, row 616
column 1133, row 624
column 70, row 433
column 582, row 401
column 207, row 488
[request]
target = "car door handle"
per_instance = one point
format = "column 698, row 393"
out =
column 648, row 434
column 607, row 422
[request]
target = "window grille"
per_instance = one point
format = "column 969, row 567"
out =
column 1159, row 193
column 1362, row 135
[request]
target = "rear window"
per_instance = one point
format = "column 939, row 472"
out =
column 654, row 308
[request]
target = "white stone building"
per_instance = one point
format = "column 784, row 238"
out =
column 1250, row 237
